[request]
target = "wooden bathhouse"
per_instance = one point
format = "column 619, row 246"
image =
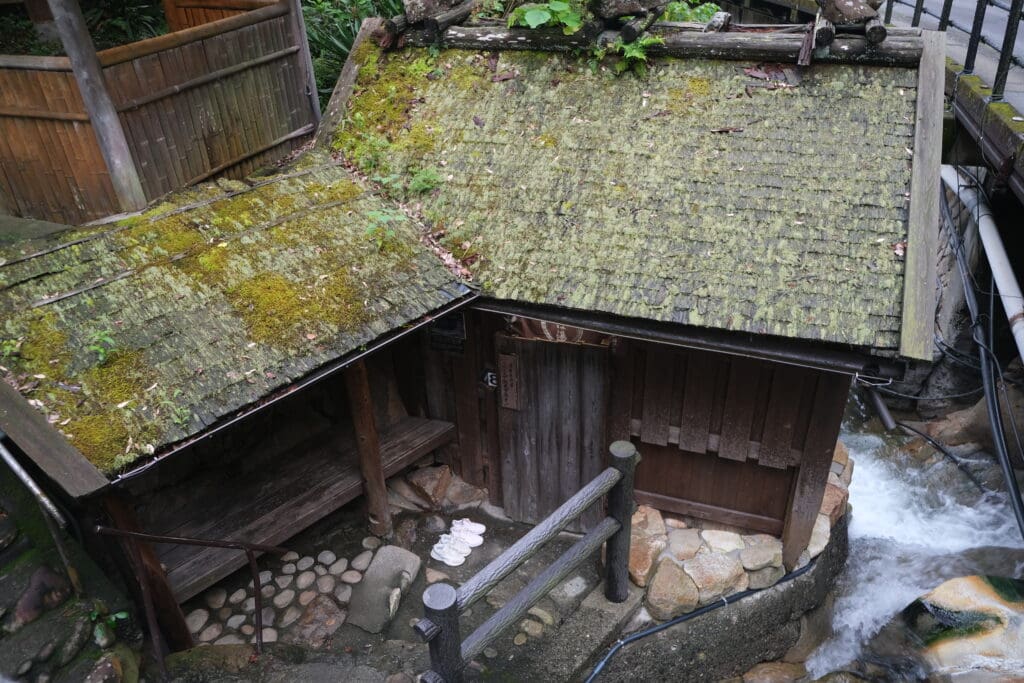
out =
column 227, row 91
column 506, row 258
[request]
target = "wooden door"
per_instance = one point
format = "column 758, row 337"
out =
column 551, row 424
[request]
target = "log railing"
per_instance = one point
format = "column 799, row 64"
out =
column 443, row 603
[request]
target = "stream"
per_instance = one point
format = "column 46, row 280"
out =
column 914, row 525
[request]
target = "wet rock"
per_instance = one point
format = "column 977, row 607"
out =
column 306, row 597
column 763, row 578
column 648, row 520
column 318, row 623
column 819, row 536
column 815, row 628
column 672, row 592
column 374, row 599
column 107, row 670
column 833, row 504
column 284, row 598
column 237, row 597
column 542, row 614
column 343, row 594
column 211, row 633
column 290, row 556
column 290, row 616
column 305, row 563
column 196, row 619
column 305, row 580
column 284, row 581
column 841, row 454
column 775, row 672
column 215, row 598
column 684, row 543
column 847, row 476
column 325, row 584
column 532, row 628
column 435, row 524
column 46, row 589
column 235, row 621
column 326, row 558
column 371, row 542
column 643, row 551
column 289, row 568
column 972, row 424
column 79, row 636
column 338, row 568
column 722, row 541
column 362, row 560
column 757, row 557
column 431, row 483
column 715, row 575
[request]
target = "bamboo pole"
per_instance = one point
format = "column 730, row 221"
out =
column 305, row 59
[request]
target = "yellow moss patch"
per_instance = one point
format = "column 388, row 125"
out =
column 171, row 235
column 123, row 377
column 100, row 438
column 701, row 87
column 45, row 342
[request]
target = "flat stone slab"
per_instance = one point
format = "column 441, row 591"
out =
column 372, row 606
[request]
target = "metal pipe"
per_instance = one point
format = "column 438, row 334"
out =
column 972, row 44
column 881, row 409
column 30, row 484
column 1009, row 41
column 995, row 252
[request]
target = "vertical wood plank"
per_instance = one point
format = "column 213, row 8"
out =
column 371, row 464
column 738, row 414
column 594, row 385
column 466, row 369
column 490, row 325
column 620, row 394
column 698, row 396
column 545, row 376
column 654, row 425
column 508, row 430
column 568, row 416
column 781, row 416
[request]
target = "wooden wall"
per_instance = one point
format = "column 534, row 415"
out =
column 182, row 14
column 222, row 98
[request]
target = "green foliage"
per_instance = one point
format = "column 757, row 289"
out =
column 119, row 22
column 378, row 231
column 102, row 344
column 492, row 9
column 331, row 27
column 9, row 348
column 689, row 10
column 180, row 415
column 552, row 13
column 424, row 180
column 628, row 56
column 18, row 36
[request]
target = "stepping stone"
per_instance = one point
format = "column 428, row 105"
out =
column 215, row 598
column 338, row 568
column 236, row 621
column 325, row 584
column 284, row 598
column 237, row 597
column 196, row 619
column 305, row 563
column 375, row 598
column 290, row 556
column 318, row 623
column 288, row 568
column 306, row 597
column 371, row 542
column 305, row 580
column 326, row 557
column 343, row 594
column 284, row 581
column 290, row 615
column 352, row 576
column 362, row 560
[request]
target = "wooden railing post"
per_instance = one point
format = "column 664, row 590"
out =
column 371, row 464
column 620, row 508
column 106, row 124
column 440, row 605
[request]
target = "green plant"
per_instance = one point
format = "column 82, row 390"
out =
column 9, row 348
column 686, row 10
column 492, row 9
column 119, row 22
column 629, row 56
column 424, row 180
column 378, row 231
column 552, row 13
column 180, row 415
column 102, row 344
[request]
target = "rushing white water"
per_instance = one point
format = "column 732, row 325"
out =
column 912, row 528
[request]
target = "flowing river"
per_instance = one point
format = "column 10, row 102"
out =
column 914, row 526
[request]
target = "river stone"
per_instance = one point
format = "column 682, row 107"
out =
column 722, row 541
column 643, row 551
column 269, row 635
column 320, row 570
column 265, row 577
column 532, row 628
column 235, row 621
column 343, row 594
column 215, row 598
column 520, row 639
column 362, row 560
column 211, row 633
column 763, row 578
column 290, row 556
column 325, row 584
column 249, row 605
column 268, row 591
column 648, row 520
column 760, row 556
column 373, row 599
column 819, row 536
column 290, row 615
column 229, row 639
column 351, row 576
column 833, row 503
column 715, row 575
column 304, row 563
column 223, row 613
column 672, row 592
column 542, row 614
column 284, row 581
column 284, row 598
column 759, row 539
column 433, row 576
column 371, row 542
column 326, row 558
column 775, row 672
column 841, row 453
column 431, row 483
column 269, row 616
column 338, row 568
column 434, row 524
column 196, row 619
column 318, row 622
column 684, row 543
column 288, row 568
column 305, row 580
column 306, row 597
column 247, row 629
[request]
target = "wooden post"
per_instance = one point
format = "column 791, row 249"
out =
column 299, row 31
column 105, row 122
column 148, row 569
column 440, row 605
column 371, row 465
column 620, row 508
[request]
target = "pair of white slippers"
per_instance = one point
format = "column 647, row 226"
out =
column 458, row 543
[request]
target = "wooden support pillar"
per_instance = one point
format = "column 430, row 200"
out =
column 102, row 115
column 371, row 464
column 168, row 612
column 826, row 417
column 305, row 58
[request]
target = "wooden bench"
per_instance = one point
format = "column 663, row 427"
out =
column 273, row 504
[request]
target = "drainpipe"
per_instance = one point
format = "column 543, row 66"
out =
column 1006, row 282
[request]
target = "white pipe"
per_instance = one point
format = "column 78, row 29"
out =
column 1006, row 282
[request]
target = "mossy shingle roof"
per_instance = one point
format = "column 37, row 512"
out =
column 703, row 194
column 141, row 333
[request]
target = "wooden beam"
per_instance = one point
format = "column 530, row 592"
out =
column 337, row 108
column 105, row 122
column 305, row 59
column 168, row 611
column 919, row 279
column 466, row 370
column 371, row 465
column 744, row 520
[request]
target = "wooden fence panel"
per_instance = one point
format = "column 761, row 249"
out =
column 182, row 14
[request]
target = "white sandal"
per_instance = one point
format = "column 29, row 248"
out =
column 469, row 525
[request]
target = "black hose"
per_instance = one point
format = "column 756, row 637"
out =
column 727, row 600
column 987, row 359
column 946, row 452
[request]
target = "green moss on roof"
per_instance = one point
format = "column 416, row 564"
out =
column 696, row 196
column 220, row 296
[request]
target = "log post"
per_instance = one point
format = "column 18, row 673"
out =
column 620, row 508
column 440, row 606
column 371, row 464
column 305, row 58
column 875, row 31
column 824, row 32
column 102, row 115
column 719, row 22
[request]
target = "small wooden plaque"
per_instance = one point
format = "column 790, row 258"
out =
column 508, row 378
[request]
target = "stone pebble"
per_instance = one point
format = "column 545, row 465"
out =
column 291, row 615
column 306, row 597
column 269, row 635
column 532, row 628
column 284, row 581
column 352, row 576
column 288, row 568
column 196, row 619
column 343, row 594
column 215, row 598
column 229, row 639
column 371, row 542
column 325, row 584
column 326, row 557
column 248, row 629
column 520, row 639
column 237, row 597
column 269, row 616
column 304, row 563
column 236, row 621
column 223, row 613
column 249, row 606
column 290, row 556
column 305, row 580
column 284, row 598
column 338, row 568
column 211, row 633
column 268, row 591
column 362, row 561
column 320, row 570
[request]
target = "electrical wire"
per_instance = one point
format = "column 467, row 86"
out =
column 946, row 397
column 946, row 452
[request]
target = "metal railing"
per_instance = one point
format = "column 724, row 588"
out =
column 1006, row 56
column 443, row 604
